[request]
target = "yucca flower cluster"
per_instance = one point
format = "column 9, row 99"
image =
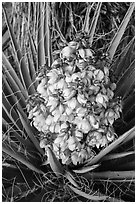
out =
column 74, row 108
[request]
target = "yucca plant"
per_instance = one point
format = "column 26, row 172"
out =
column 68, row 102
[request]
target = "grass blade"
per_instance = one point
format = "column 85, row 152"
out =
column 15, row 89
column 40, row 43
column 15, row 134
column 29, row 15
column 87, row 18
column 47, row 34
column 33, row 51
column 21, row 60
column 71, row 178
column 14, row 42
column 128, row 103
column 28, row 129
column 126, row 73
column 59, row 31
column 34, row 30
column 117, row 181
column 32, row 71
column 126, row 82
column 5, row 37
column 11, row 96
column 23, row 32
column 111, row 147
column 124, row 59
column 116, row 40
column 20, row 158
column 11, row 113
column 10, row 71
column 94, row 22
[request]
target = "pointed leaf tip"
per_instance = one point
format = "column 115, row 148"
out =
column 86, row 169
column 54, row 163
column 88, row 196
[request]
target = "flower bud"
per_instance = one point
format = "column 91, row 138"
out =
column 43, row 143
column 88, row 53
column 68, row 51
column 82, row 53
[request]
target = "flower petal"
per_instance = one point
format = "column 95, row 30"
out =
column 72, row 103
column 74, row 158
column 49, row 120
column 85, row 126
column 81, row 111
column 81, row 99
column 79, row 135
column 57, row 128
column 52, row 128
column 99, row 98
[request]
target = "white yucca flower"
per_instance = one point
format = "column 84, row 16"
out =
column 98, row 74
column 68, row 51
column 68, row 93
column 82, row 124
column 39, row 121
column 57, row 113
column 51, row 89
column 75, row 106
column 61, row 84
column 81, row 64
column 93, row 122
column 72, row 103
column 81, row 112
column 78, row 135
column 69, row 68
column 72, row 143
column 75, row 158
column 53, row 76
column 52, row 103
column 81, row 99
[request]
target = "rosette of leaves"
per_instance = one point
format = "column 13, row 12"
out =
column 84, row 89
